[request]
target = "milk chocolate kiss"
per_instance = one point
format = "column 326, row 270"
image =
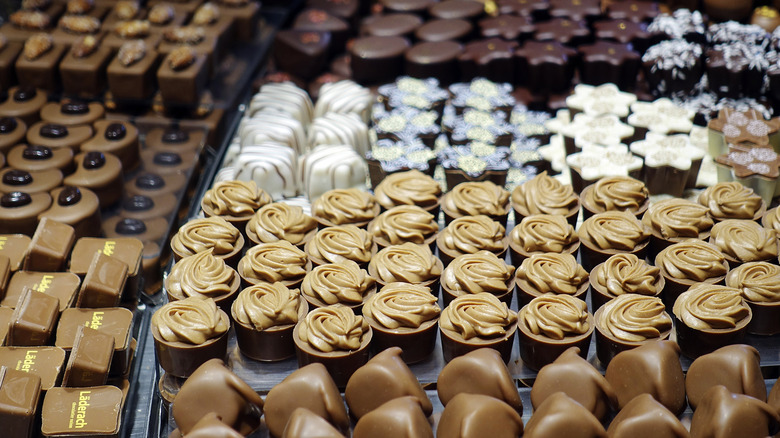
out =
column 644, row 417
column 734, row 366
column 578, row 379
column 561, row 416
column 479, row 416
column 309, row 387
column 723, row 414
column 398, row 418
column 304, row 423
column 209, row 427
column 214, row 388
column 479, row 372
column 388, row 371
column 653, row 368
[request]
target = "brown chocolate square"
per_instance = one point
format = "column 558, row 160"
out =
column 33, row 320
column 114, row 321
column 6, row 313
column 41, row 72
column 5, row 273
column 62, row 285
column 136, row 81
column 45, row 362
column 92, row 411
column 19, row 394
column 8, row 56
column 182, row 86
column 50, row 246
column 104, row 283
column 90, row 358
column 126, row 249
column 115, row 41
column 246, row 19
column 85, row 77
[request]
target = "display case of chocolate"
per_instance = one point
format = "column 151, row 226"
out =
column 131, row 74
column 116, row 137
column 19, row 211
column 629, row 321
column 265, row 315
column 187, row 333
column 78, row 208
column 376, row 60
column 463, row 328
column 709, row 317
column 24, row 103
column 99, row 172
column 12, row 131
column 334, row 337
column 539, row 234
column 37, row 66
column 55, row 135
column 199, row 235
column 9, row 52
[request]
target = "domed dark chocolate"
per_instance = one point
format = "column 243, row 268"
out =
column 23, row 94
column 138, row 203
column 7, row 124
column 37, row 152
column 69, row 195
column 16, row 177
column 149, row 181
column 167, row 159
column 53, row 130
column 175, row 135
column 130, row 227
column 74, row 107
column 94, row 160
column 15, row 199
column 116, row 131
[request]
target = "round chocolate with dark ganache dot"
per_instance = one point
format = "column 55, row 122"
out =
column 69, row 195
column 15, row 199
column 37, row 152
column 74, row 107
column 53, row 130
column 7, row 124
column 175, row 135
column 130, row 227
column 167, row 159
column 16, row 177
column 149, row 181
column 94, row 160
column 23, row 94
column 116, row 131
column 138, row 203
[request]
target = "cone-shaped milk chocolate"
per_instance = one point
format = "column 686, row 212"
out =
column 653, row 368
column 478, row 416
column 214, row 388
column 645, row 417
column 478, row 372
column 209, row 427
column 380, row 380
column 310, row 387
column 734, row 366
column 560, row 416
column 579, row 380
column 399, row 418
column 304, row 423
column 723, row 414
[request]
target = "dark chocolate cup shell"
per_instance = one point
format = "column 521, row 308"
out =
column 453, row 347
column 269, row 345
column 766, row 318
column 416, row 344
column 537, row 352
column 340, row 364
column 181, row 360
column 694, row 343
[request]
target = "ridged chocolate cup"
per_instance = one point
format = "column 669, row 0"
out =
column 224, row 302
column 694, row 343
column 591, row 256
column 340, row 364
column 766, row 318
column 608, row 346
column 600, row 296
column 447, row 256
column 517, row 255
column 452, row 345
column 526, row 292
column 271, row 344
column 448, row 295
column 180, row 359
column 538, row 351
column 416, row 343
column 589, row 210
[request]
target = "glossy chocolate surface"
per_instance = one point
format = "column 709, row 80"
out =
column 724, row 414
column 735, row 366
column 104, row 283
column 399, row 417
column 33, row 320
column 644, row 417
column 473, row 415
column 19, row 395
column 304, row 422
column 90, row 359
column 100, row 416
column 561, row 416
column 50, row 246
column 62, row 285
column 481, row 371
column 46, row 362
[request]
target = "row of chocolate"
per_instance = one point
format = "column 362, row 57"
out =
column 645, row 388
column 94, row 47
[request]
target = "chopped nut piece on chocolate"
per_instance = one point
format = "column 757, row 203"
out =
column 126, row 10
column 160, row 13
column 80, row 24
column 132, row 28
column 30, row 19
column 181, row 58
column 131, row 52
column 79, row 7
column 185, row 34
column 208, row 13
column 85, row 46
column 37, row 45
column 28, row 5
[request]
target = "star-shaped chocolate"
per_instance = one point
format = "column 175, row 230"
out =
column 546, row 66
column 749, row 161
column 508, row 27
column 623, row 31
column 744, row 127
column 576, row 9
column 491, row 58
column 538, row 9
column 608, row 62
column 633, row 10
column 563, row 30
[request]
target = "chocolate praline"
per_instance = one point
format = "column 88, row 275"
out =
column 30, row 182
column 24, row 103
column 19, row 211
column 481, row 371
column 12, row 132
column 377, row 59
column 624, row 274
column 737, row 367
column 38, row 158
column 627, row 322
column 78, row 207
column 55, row 135
column 118, row 138
column 101, row 173
column 757, row 282
column 72, row 112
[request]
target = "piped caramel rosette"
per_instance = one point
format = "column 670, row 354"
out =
column 333, row 329
column 539, row 233
column 407, row 263
column 480, row 316
column 677, row 219
column 345, row 283
column 609, row 233
column 732, row 200
column 404, row 223
column 214, row 233
column 272, row 262
column 692, row 261
column 550, row 274
column 408, row 188
column 616, row 193
column 471, row 234
column 345, row 206
column 341, row 243
column 476, row 198
column 204, row 276
column 744, row 240
column 402, row 305
column 544, row 195
column 759, row 284
column 280, row 221
column 475, row 273
column 634, row 318
column 234, row 199
column 771, row 219
column 624, row 274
